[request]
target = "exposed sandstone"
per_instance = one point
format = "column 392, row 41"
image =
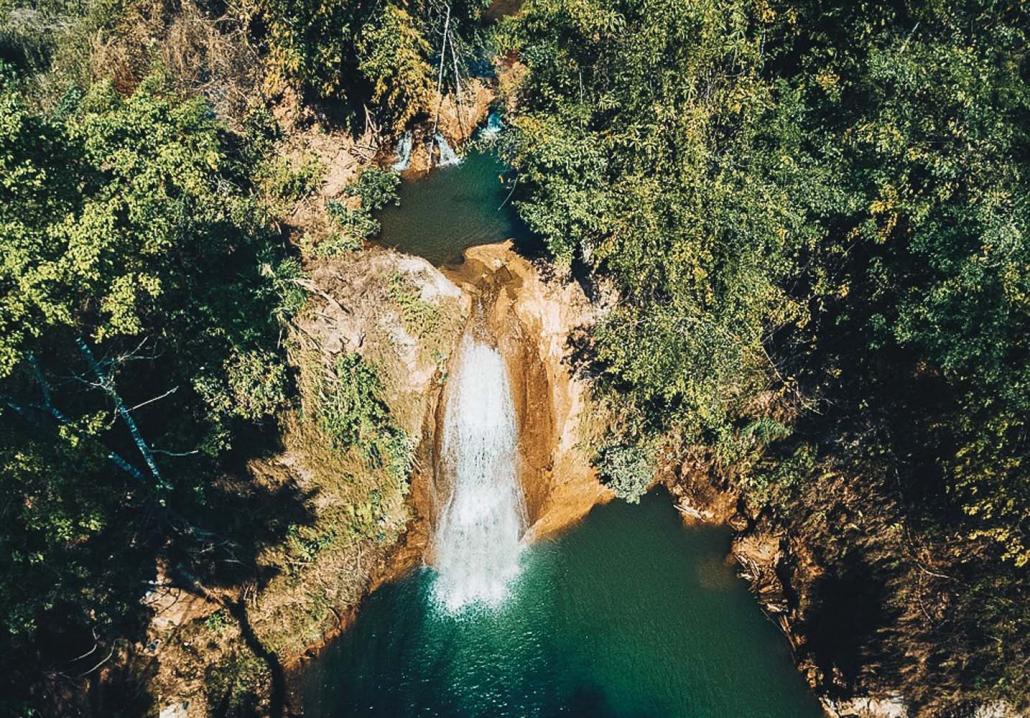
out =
column 532, row 320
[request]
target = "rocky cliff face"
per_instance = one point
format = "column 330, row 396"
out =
column 406, row 318
column 399, row 313
column 532, row 320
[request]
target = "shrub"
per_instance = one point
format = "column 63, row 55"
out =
column 355, row 222
column 626, row 470
column 258, row 383
column 352, row 413
column 335, row 244
column 376, row 188
column 290, row 180
column 420, row 316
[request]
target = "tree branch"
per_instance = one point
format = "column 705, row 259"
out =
column 107, row 384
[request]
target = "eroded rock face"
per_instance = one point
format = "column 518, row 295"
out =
column 456, row 121
column 532, row 320
column 399, row 312
column 175, row 710
column 868, row 707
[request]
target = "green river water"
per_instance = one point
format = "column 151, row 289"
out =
column 452, row 208
column 629, row 614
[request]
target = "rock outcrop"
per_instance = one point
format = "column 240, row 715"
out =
column 532, row 320
column 399, row 312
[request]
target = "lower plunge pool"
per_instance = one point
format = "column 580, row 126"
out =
column 630, row 614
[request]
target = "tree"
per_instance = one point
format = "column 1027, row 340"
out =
column 393, row 57
column 814, row 217
column 138, row 294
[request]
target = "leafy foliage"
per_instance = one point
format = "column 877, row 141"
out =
column 357, row 52
column 313, row 40
column 422, row 318
column 139, row 341
column 814, row 217
column 289, row 181
column 351, row 412
column 394, row 58
column 375, row 189
column 626, row 470
column 636, row 147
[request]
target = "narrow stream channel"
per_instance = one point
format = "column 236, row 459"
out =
column 630, row 614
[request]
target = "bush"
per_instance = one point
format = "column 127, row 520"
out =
column 356, row 223
column 376, row 188
column 334, row 245
column 421, row 317
column 626, row 470
column 258, row 383
column 393, row 57
column 287, row 297
column 351, row 412
column 287, row 180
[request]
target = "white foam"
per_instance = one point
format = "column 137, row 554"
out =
column 478, row 540
column 447, row 154
column 403, row 152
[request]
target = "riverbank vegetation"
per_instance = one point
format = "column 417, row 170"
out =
column 154, row 209
column 814, row 218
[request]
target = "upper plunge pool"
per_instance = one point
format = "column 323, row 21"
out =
column 443, row 213
column 628, row 615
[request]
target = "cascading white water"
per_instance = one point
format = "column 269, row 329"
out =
column 479, row 532
column 447, row 154
column 403, row 152
column 494, row 125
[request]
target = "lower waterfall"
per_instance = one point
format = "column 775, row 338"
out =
column 478, row 538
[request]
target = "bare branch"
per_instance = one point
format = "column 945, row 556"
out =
column 175, row 453
column 439, row 78
column 44, row 389
column 156, row 398
column 126, row 417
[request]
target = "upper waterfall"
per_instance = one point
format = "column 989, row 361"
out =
column 403, row 152
column 479, row 533
column 448, row 156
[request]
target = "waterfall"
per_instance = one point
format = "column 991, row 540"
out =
column 447, row 155
column 494, row 125
column 403, row 152
column 479, row 534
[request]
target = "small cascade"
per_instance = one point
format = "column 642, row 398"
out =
column 478, row 539
column 447, row 154
column 403, row 152
column 494, row 125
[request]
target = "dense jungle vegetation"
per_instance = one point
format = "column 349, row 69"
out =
column 814, row 215
column 811, row 218
column 145, row 288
